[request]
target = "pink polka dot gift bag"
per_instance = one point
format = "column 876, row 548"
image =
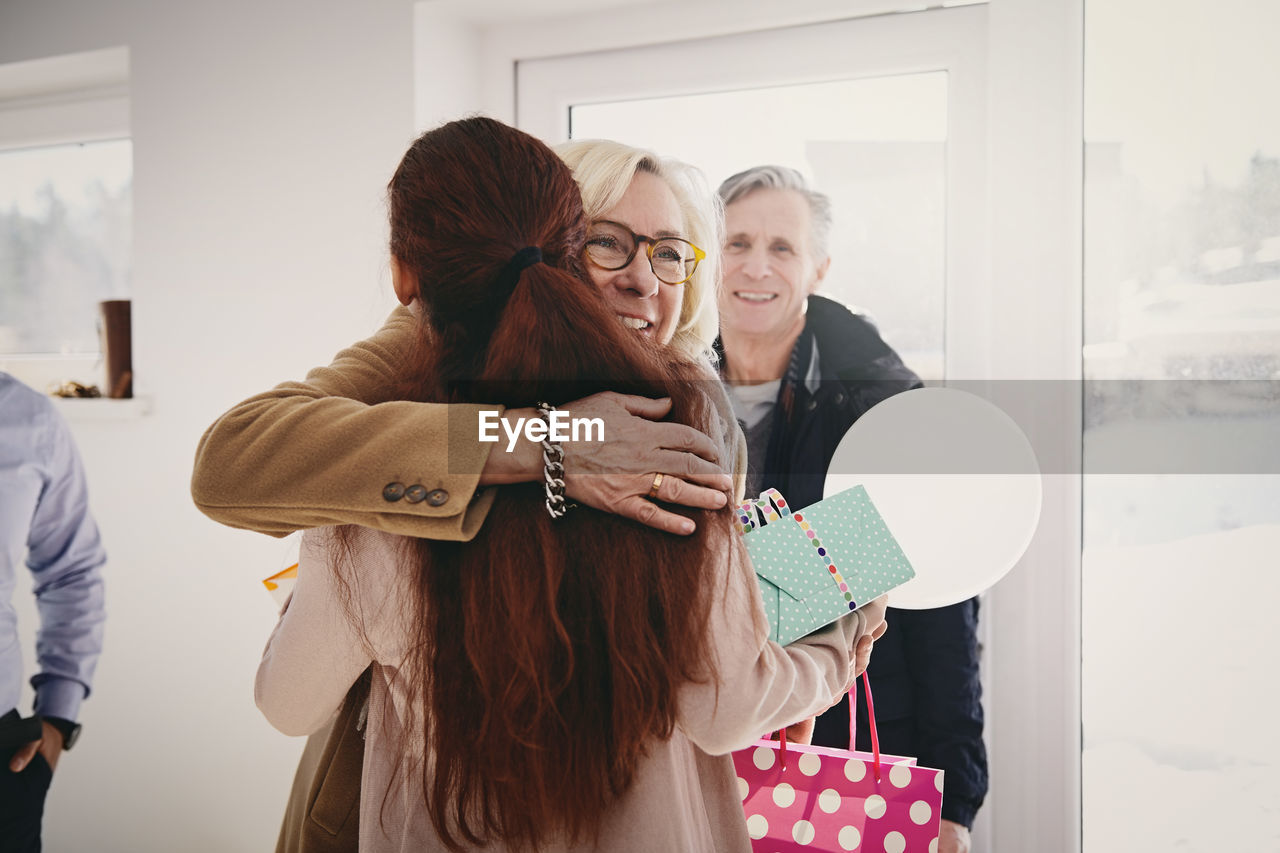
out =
column 815, row 566
column 811, row 798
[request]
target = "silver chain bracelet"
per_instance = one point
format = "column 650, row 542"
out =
column 553, row 467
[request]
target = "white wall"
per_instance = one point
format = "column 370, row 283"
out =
column 263, row 136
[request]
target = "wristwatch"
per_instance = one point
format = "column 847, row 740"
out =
column 70, row 731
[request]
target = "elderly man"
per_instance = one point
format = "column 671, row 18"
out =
column 44, row 517
column 801, row 369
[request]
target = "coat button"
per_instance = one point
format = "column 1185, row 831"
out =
column 813, row 404
column 392, row 492
column 437, row 497
column 415, row 493
column 839, row 399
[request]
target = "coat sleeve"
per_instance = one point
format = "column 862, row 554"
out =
column 941, row 647
column 760, row 686
column 319, row 452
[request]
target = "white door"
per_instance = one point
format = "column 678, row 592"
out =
column 885, row 114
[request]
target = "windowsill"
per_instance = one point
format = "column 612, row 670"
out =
column 43, row 371
column 93, row 409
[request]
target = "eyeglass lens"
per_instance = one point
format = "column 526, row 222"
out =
column 613, row 247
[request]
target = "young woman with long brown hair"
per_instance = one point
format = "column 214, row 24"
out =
column 554, row 684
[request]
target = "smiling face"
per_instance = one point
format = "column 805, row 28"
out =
column 640, row 300
column 769, row 268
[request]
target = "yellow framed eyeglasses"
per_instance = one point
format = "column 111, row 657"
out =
column 612, row 245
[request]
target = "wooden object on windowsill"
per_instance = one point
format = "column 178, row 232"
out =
column 117, row 347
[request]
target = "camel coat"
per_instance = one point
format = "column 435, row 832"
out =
column 321, row 452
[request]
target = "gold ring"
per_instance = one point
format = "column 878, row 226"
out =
column 653, row 490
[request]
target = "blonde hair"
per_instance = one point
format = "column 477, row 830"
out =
column 604, row 170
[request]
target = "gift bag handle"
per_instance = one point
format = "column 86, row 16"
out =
column 853, row 726
column 871, row 721
column 749, row 516
column 770, row 506
column 770, row 500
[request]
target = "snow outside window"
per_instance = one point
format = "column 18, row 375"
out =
column 1182, row 411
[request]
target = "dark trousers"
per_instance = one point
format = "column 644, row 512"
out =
column 21, row 798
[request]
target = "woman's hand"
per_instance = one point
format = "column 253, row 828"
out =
column 873, row 612
column 616, row 474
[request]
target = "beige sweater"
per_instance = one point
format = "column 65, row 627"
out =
column 685, row 796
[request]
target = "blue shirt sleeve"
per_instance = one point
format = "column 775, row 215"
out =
column 65, row 555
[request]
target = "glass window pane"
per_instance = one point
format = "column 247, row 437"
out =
column 1182, row 352
column 877, row 146
column 65, row 243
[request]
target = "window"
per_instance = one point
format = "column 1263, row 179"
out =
column 65, row 241
column 66, row 176
column 1182, row 354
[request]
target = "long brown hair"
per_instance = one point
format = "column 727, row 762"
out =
column 547, row 654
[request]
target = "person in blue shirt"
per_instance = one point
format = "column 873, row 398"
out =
column 44, row 522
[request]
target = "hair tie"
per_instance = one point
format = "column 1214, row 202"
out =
column 526, row 257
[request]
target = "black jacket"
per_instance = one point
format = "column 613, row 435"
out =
column 924, row 671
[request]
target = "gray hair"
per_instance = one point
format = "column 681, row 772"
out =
column 739, row 186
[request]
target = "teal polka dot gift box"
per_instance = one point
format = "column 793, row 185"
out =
column 816, row 565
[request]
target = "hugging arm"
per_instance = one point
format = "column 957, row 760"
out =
column 318, row 452
column 322, row 451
